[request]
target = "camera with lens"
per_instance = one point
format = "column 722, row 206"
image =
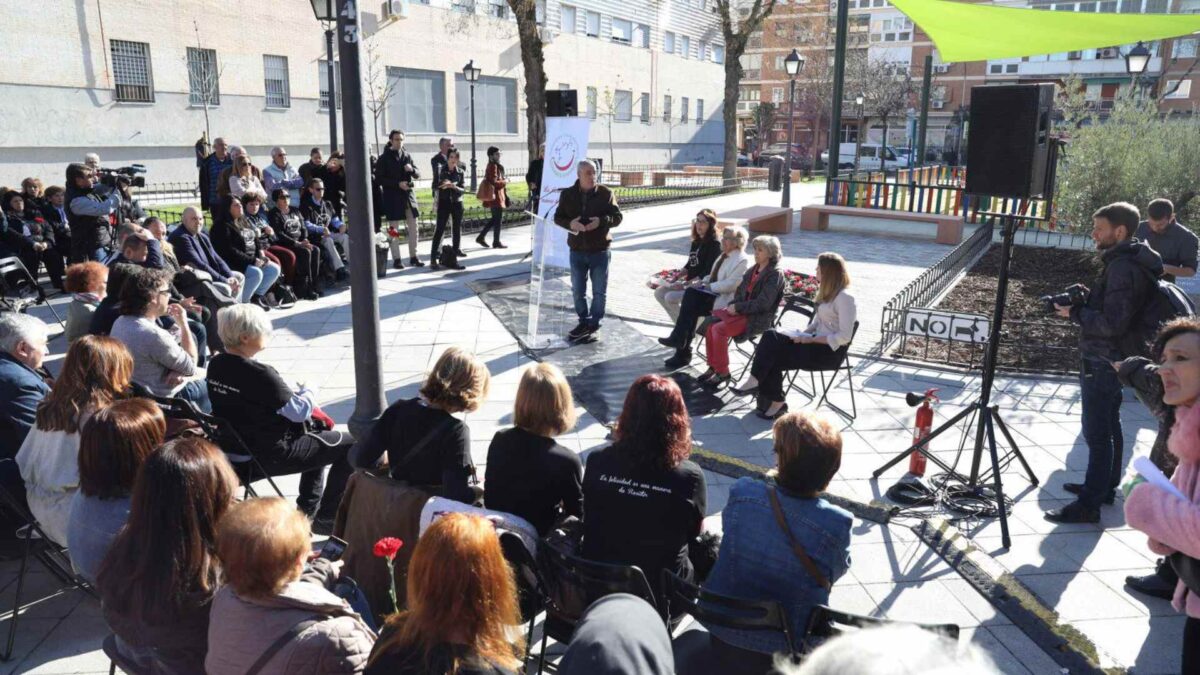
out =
column 124, row 176
column 1074, row 296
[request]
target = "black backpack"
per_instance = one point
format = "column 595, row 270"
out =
column 1166, row 301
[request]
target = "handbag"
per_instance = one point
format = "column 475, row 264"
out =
column 797, row 548
column 448, row 257
column 486, row 191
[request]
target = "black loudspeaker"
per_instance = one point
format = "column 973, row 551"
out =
column 1008, row 143
column 562, row 103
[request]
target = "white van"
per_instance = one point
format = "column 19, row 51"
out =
column 869, row 157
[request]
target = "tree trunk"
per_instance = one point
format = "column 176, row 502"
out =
column 817, row 142
column 534, row 60
column 733, row 79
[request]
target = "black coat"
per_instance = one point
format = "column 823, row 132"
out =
column 455, row 176
column 1108, row 320
column 289, row 229
column 392, row 169
column 237, row 243
column 534, row 175
column 438, row 163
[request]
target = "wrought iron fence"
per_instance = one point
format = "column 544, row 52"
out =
column 182, row 192
column 946, row 200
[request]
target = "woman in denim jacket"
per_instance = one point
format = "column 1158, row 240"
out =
column 757, row 560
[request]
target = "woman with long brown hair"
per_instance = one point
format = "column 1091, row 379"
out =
column 643, row 499
column 96, row 372
column 113, row 445
column 704, row 250
column 816, row 348
column 462, row 601
column 157, row 581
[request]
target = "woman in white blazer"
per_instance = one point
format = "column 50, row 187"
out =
column 816, row 348
column 711, row 292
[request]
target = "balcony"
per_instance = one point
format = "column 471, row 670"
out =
column 1114, row 67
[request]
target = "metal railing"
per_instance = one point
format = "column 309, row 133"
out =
column 933, row 174
column 946, row 200
column 168, row 193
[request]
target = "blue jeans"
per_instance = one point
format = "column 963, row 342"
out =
column 259, row 280
column 1100, row 391
column 196, row 391
column 583, row 266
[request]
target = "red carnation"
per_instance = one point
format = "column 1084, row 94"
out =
column 387, row 547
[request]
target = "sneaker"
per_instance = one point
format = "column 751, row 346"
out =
column 1077, row 488
column 415, row 262
column 1159, row 584
column 579, row 331
column 1073, row 513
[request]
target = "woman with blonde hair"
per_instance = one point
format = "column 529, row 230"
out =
column 97, row 371
column 528, row 473
column 462, row 605
column 426, row 444
column 817, row 348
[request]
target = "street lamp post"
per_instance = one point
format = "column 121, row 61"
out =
column 471, row 75
column 329, row 76
column 858, row 101
column 1136, row 62
column 364, row 295
column 793, row 64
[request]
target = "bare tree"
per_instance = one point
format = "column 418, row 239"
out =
column 204, row 74
column 380, row 87
column 764, row 115
column 739, row 19
column 609, row 111
column 887, row 89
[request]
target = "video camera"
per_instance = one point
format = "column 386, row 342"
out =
column 123, row 176
column 1074, row 296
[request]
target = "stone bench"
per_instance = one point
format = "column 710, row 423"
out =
column 659, row 178
column 764, row 219
column 630, row 178
column 949, row 229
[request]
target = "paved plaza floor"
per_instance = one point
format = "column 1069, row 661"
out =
column 1077, row 570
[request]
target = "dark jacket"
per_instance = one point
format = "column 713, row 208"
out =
column 533, row 176
column 335, row 189
column 21, row 390
column 321, row 215
column 1141, row 374
column 197, row 250
column 390, row 170
column 237, row 243
column 759, row 304
column 619, row 634
column 213, row 168
column 88, row 212
column 177, row 647
column 438, row 163
column 599, row 203
column 21, row 233
column 456, row 176
column 130, row 211
column 1108, row 320
column 289, row 229
column 58, row 221
column 701, row 257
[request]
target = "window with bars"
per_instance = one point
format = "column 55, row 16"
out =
column 623, row 105
column 275, row 81
column 699, row 111
column 133, row 80
column 203, row 79
column 667, row 108
column 683, row 109
column 645, row 103
column 323, row 77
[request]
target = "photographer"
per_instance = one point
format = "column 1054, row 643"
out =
column 1109, row 330
column 89, row 207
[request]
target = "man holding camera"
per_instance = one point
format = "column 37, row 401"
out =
column 1109, row 330
column 89, row 210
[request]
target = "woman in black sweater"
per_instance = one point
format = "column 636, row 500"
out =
column 236, row 241
column 704, row 251
column 449, row 207
column 426, row 444
column 528, row 473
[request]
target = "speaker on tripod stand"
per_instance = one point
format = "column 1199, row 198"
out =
column 1010, row 154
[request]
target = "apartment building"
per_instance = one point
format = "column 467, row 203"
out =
column 135, row 80
column 882, row 32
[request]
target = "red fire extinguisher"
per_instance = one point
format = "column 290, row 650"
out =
column 924, row 424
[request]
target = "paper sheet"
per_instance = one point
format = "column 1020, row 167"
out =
column 1154, row 476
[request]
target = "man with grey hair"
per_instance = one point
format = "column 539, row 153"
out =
column 213, row 166
column 280, row 174
column 588, row 211
column 92, row 161
column 23, row 381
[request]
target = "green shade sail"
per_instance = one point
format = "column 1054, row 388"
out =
column 978, row 32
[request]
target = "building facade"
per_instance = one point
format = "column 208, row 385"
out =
column 880, row 32
column 140, row 81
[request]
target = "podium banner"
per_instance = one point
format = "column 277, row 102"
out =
column 566, row 146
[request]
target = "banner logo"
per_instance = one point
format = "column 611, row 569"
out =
column 563, row 154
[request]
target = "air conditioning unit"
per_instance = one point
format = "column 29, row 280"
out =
column 942, row 68
column 1108, row 53
column 547, row 35
column 395, row 9
column 937, row 105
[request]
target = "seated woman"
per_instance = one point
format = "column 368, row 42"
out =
column 86, row 283
column 703, row 253
column 457, row 564
column 273, row 419
column 157, row 582
column 751, row 313
column 112, row 447
column 831, row 328
column 426, row 444
column 252, row 204
column 164, row 362
column 528, row 474
column 643, row 498
column 714, row 292
column 108, row 310
column 273, row 593
column 30, row 237
column 237, row 243
column 290, row 234
column 96, row 372
column 758, row 561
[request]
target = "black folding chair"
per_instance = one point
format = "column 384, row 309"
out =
column 842, row 356
column 572, row 584
column 530, row 589
column 825, row 622
column 37, row 545
column 118, row 660
column 19, row 289
column 222, row 433
column 713, row 609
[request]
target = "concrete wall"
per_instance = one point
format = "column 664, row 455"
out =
column 58, row 103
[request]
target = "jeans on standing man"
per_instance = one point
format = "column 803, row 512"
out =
column 593, row 266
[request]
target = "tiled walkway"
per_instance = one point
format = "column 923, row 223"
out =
column 1076, row 569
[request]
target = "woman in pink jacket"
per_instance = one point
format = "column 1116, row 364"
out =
column 1173, row 524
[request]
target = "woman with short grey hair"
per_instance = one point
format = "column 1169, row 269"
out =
column 282, row 425
column 750, row 314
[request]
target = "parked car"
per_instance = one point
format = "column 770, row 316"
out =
column 801, row 155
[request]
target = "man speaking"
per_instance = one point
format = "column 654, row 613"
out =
column 588, row 210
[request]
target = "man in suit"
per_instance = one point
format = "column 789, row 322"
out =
column 54, row 211
column 23, row 382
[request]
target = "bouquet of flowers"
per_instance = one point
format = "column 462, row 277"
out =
column 381, row 239
column 666, row 278
column 387, row 548
column 799, row 283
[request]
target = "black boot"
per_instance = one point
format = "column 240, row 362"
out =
column 1159, row 584
column 681, row 358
